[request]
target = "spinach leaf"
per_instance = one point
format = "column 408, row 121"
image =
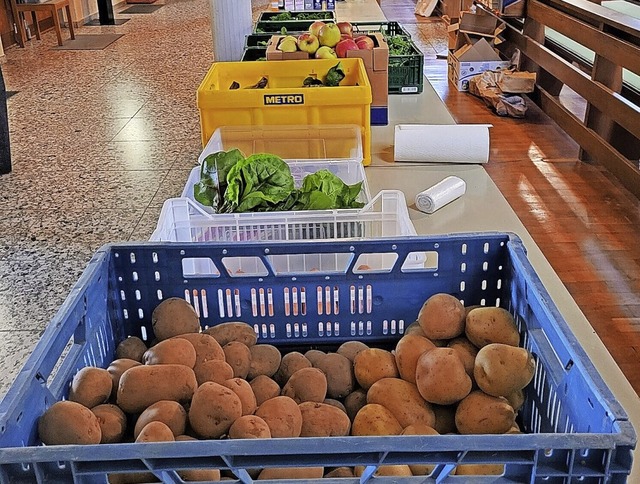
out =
column 324, row 191
column 213, row 175
column 334, row 75
column 260, row 182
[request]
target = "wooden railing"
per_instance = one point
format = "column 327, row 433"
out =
column 610, row 131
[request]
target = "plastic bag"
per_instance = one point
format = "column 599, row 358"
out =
column 486, row 86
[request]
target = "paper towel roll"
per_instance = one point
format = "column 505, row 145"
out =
column 440, row 194
column 442, row 143
column 231, row 21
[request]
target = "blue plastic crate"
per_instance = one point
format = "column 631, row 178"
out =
column 577, row 431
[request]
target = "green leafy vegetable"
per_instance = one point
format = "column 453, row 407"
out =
column 334, row 76
column 312, row 81
column 400, row 45
column 324, row 191
column 213, row 176
column 257, row 183
column 282, row 16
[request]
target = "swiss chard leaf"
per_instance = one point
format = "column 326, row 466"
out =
column 260, row 182
column 324, row 191
column 334, row 75
column 213, row 175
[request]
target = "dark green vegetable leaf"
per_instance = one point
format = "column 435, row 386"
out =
column 312, row 81
column 213, row 174
column 334, row 76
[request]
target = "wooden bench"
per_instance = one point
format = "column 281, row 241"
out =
column 51, row 6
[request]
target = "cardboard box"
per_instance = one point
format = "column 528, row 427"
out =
column 376, row 62
column 471, row 60
column 472, row 27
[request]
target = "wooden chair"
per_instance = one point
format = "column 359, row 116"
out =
column 51, row 6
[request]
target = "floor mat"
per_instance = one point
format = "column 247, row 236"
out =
column 96, row 22
column 89, row 42
column 141, row 8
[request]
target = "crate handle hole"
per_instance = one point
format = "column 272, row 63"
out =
column 199, row 267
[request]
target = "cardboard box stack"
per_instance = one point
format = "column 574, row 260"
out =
column 472, row 50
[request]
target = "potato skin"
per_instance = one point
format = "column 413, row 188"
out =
column 282, row 415
column 245, row 393
column 485, row 325
column 155, row 431
column 116, row 369
column 172, row 317
column 172, row 351
column 170, row 413
column 354, row 402
column 408, row 350
column 500, row 370
column 441, row 377
column 374, row 419
column 373, row 364
column 403, row 400
column 323, row 420
column 265, row 360
column 249, row 427
column 314, row 355
column 350, row 349
column 91, row 386
column 442, row 316
column 142, row 386
column 233, row 331
column 339, row 371
column 306, row 385
column 131, row 348
column 290, row 363
column 238, row 355
column 66, row 422
column 206, row 346
column 479, row 413
column 213, row 409
column 264, row 388
column 467, row 352
column 291, row 473
column 113, row 422
column 216, row 371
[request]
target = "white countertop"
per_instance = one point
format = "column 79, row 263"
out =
column 482, row 208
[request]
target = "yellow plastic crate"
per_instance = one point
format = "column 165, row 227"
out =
column 285, row 101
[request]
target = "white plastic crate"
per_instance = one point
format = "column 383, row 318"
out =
column 386, row 215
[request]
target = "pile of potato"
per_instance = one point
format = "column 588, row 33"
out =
column 455, row 370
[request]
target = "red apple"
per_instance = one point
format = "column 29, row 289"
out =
column 345, row 45
column 315, row 27
column 346, row 28
column 364, row 42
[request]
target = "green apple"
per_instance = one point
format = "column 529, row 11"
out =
column 325, row 52
column 329, row 35
column 308, row 43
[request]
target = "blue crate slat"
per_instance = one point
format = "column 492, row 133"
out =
column 576, row 428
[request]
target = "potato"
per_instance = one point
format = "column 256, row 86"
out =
column 442, row 317
column 502, row 369
column 199, row 475
column 282, row 415
column 131, row 348
column 397, row 470
column 91, row 386
column 408, row 349
column 305, row 473
column 350, row 349
column 113, row 422
column 340, row 472
column 245, row 393
column 66, row 422
column 155, row 431
column 314, row 355
column 170, row 413
column 264, row 388
column 306, row 385
column 132, row 478
column 142, row 386
column 265, row 360
column 414, row 328
column 239, row 357
column 291, row 362
column 479, row 413
column 485, row 325
column 322, row 420
column 235, row 331
column 374, row 419
column 403, row 400
column 213, row 370
column 172, row 351
column 516, row 399
column 206, row 346
column 373, row 364
column 480, row 470
column 213, row 409
column 467, row 352
column 339, row 371
column 420, row 429
column 249, row 427
column 116, row 369
column 445, row 419
column 441, row 377
column 172, row 317
column 354, row 402
column 336, row 403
